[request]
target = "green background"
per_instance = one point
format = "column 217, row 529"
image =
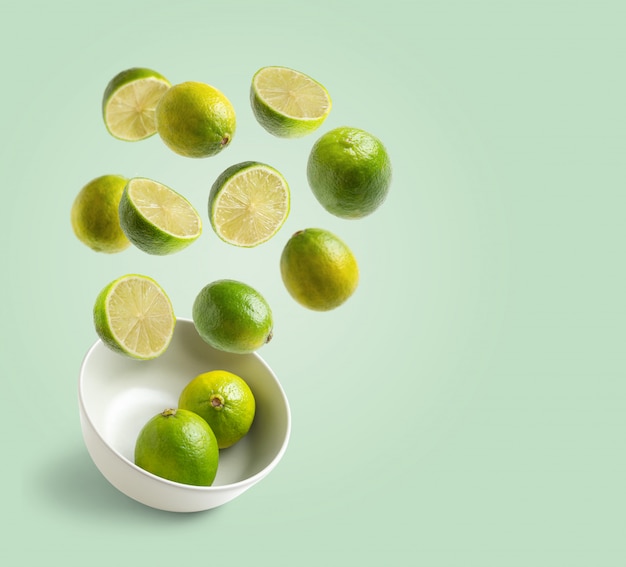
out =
column 467, row 406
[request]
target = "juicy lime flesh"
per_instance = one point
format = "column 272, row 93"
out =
column 232, row 316
column 225, row 401
column 139, row 316
column 180, row 446
column 349, row 172
column 318, row 269
column 292, row 93
column 250, row 207
column 164, row 208
column 129, row 112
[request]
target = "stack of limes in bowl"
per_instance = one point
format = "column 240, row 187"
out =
column 215, row 411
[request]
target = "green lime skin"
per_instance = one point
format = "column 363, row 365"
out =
column 318, row 269
column 95, row 215
column 180, row 446
column 195, row 120
column 232, row 316
column 225, row 401
column 349, row 172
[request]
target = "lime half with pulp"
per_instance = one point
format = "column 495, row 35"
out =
column 134, row 316
column 129, row 103
column 288, row 103
column 157, row 219
column 249, row 203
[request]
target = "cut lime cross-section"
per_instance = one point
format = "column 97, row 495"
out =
column 157, row 219
column 288, row 103
column 129, row 103
column 248, row 203
column 134, row 316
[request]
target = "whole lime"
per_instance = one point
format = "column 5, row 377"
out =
column 225, row 401
column 232, row 316
column 318, row 269
column 349, row 172
column 180, row 446
column 95, row 217
column 195, row 119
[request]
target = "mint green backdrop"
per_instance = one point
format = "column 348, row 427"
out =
column 466, row 408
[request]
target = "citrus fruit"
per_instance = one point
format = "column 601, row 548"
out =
column 288, row 103
column 134, row 316
column 224, row 400
column 94, row 214
column 232, row 316
column 178, row 445
column 349, row 172
column 318, row 269
column 248, row 203
column 129, row 102
column 157, row 219
column 195, row 119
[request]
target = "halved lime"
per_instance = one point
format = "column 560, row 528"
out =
column 288, row 103
column 129, row 103
column 248, row 203
column 134, row 316
column 157, row 219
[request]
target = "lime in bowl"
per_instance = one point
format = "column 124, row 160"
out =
column 118, row 395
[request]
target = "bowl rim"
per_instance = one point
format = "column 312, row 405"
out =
column 244, row 483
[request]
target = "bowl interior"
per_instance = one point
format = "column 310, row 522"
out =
column 119, row 395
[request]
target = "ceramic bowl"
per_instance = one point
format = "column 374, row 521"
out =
column 118, row 395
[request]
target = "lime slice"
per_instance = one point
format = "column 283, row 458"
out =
column 129, row 103
column 157, row 219
column 248, row 203
column 133, row 316
column 288, row 103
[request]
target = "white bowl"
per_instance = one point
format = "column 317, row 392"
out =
column 118, row 395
